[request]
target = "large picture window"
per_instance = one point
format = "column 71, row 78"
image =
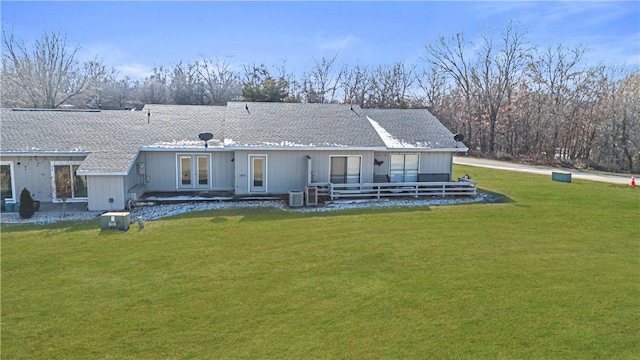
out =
column 404, row 168
column 193, row 171
column 345, row 169
column 66, row 182
column 6, row 180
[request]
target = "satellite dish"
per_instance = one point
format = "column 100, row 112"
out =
column 205, row 136
column 458, row 137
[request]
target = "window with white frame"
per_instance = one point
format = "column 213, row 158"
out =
column 404, row 168
column 65, row 181
column 7, row 182
column 193, row 171
column 345, row 169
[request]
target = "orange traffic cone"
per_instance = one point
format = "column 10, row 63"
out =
column 633, row 181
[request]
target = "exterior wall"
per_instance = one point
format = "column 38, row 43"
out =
column 134, row 182
column 106, row 192
column 287, row 170
column 430, row 162
column 436, row 163
column 34, row 173
column 384, row 168
column 161, row 170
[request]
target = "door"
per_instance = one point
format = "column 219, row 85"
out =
column 257, row 173
column 345, row 170
column 193, row 171
column 404, row 168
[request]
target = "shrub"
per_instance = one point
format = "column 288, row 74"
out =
column 26, row 204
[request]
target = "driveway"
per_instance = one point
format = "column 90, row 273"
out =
column 544, row 170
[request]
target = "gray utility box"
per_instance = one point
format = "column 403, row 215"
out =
column 114, row 221
column 562, row 177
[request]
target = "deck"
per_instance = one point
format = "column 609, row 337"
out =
column 462, row 187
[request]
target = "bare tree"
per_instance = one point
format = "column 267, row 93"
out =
column 155, row 88
column 221, row 81
column 47, row 74
column 496, row 74
column 449, row 57
column 356, row 84
column 320, row 85
column 390, row 84
column 433, row 84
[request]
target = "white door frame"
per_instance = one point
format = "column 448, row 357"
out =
column 252, row 186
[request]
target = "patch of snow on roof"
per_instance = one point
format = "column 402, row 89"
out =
column 282, row 144
column 178, row 144
column 388, row 139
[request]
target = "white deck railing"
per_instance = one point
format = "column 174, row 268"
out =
column 383, row 190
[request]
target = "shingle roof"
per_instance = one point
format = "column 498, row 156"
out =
column 411, row 128
column 112, row 138
column 297, row 125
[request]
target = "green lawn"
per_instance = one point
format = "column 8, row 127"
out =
column 552, row 273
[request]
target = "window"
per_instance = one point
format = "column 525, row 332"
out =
column 193, row 171
column 66, row 182
column 258, row 176
column 6, row 180
column 404, row 168
column 203, row 170
column 185, row 170
column 345, row 169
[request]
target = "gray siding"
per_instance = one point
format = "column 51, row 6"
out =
column 161, row 170
column 34, row 173
column 287, row 170
column 430, row 162
column 134, row 182
column 436, row 162
column 322, row 164
column 103, row 188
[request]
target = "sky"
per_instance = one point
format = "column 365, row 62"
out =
column 133, row 37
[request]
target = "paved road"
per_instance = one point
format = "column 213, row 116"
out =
column 545, row 170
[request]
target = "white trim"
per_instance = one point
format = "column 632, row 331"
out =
column 264, row 173
column 304, row 148
column 44, row 153
column 13, row 180
column 53, row 181
column 101, row 173
column 190, row 150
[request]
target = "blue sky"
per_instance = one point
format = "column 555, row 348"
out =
column 135, row 36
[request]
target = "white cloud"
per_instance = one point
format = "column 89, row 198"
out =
column 337, row 43
column 109, row 53
column 134, row 71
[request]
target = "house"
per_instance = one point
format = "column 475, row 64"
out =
column 107, row 157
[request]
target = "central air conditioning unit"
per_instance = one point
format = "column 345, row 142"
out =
column 296, row 198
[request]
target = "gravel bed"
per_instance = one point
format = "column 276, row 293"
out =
column 156, row 212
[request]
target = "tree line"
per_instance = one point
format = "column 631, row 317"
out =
column 510, row 99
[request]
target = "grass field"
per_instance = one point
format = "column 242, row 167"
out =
column 552, row 273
